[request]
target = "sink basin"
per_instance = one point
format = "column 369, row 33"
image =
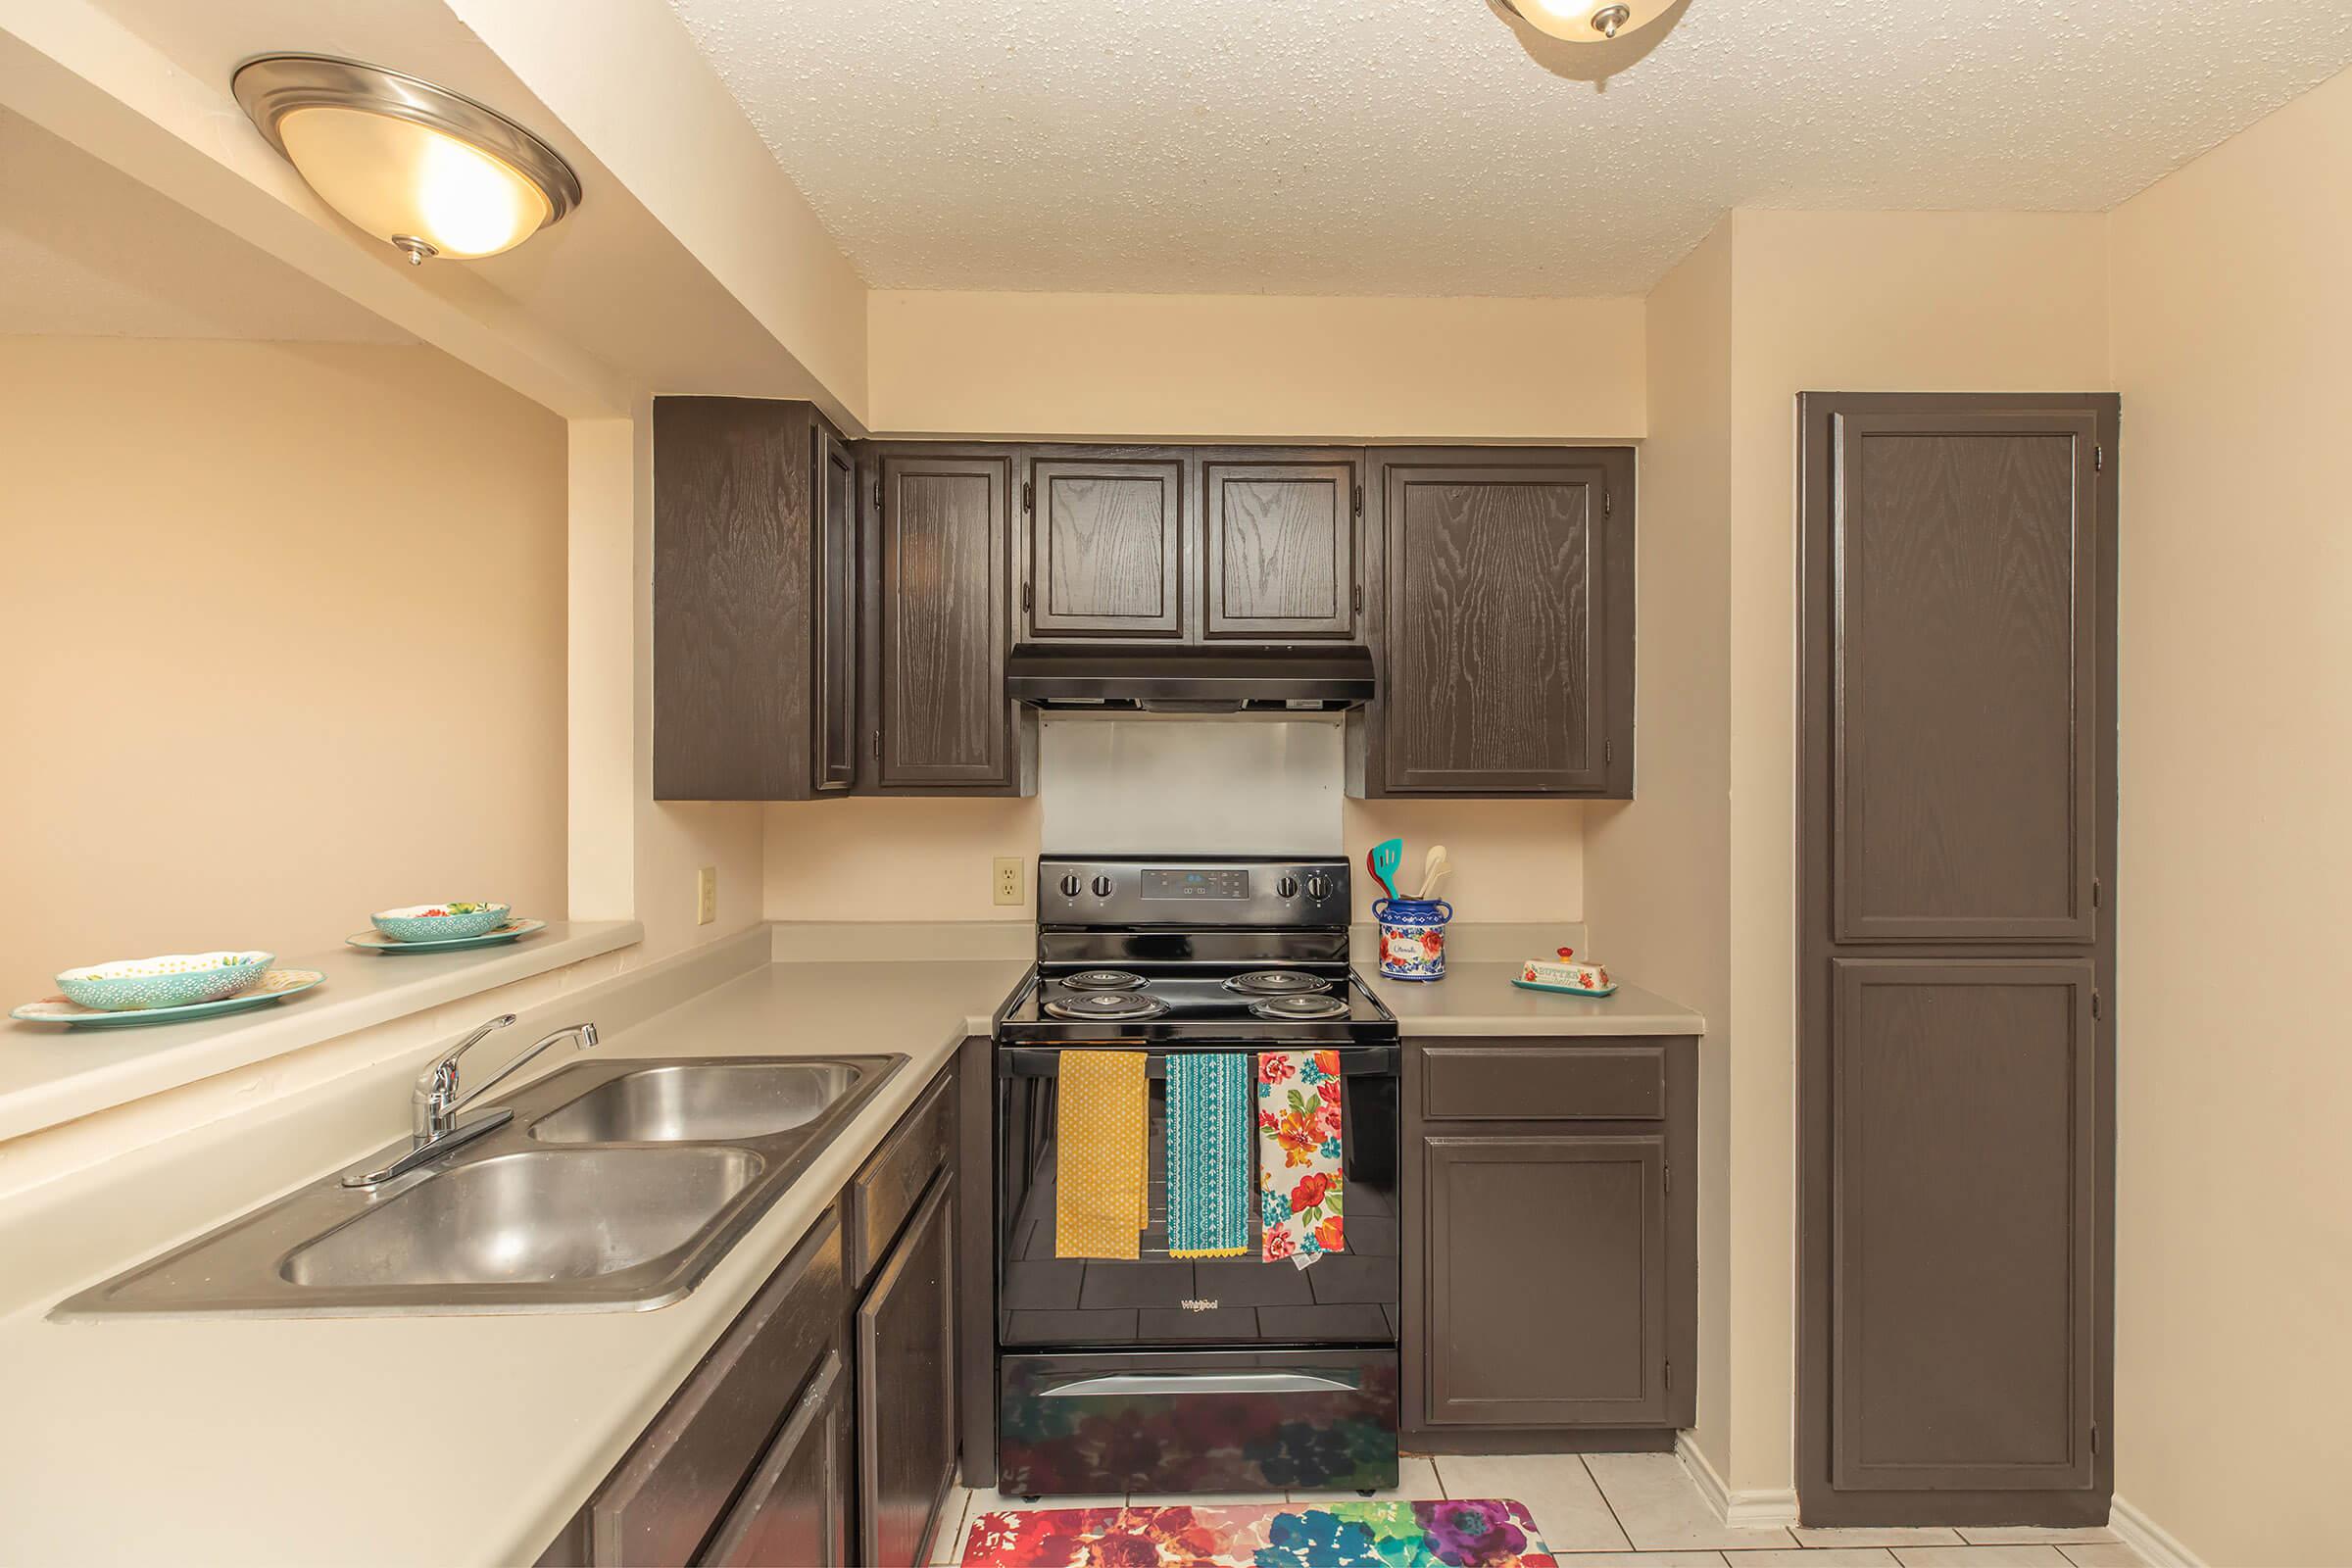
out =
column 700, row 1102
column 617, row 1187
column 520, row 1218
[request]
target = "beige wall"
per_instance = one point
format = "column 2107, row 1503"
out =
column 1656, row 867
column 1254, row 368
column 918, row 859
column 2232, row 332
column 284, row 630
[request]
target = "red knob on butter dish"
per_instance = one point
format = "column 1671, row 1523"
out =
column 1567, row 953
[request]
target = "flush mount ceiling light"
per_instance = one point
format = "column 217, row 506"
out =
column 1587, row 20
column 417, row 166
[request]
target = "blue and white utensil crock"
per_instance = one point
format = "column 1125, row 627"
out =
column 1412, row 937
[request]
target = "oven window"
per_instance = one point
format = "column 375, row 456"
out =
column 1347, row 1297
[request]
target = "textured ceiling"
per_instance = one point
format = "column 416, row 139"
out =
column 86, row 251
column 1428, row 147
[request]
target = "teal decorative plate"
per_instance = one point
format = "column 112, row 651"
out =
column 274, row 986
column 376, row 942
column 1564, row 991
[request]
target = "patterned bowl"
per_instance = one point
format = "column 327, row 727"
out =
column 440, row 922
column 175, row 980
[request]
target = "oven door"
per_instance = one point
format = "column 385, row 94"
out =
column 1046, row 1302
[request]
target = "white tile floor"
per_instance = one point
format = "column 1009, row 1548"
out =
column 1641, row 1510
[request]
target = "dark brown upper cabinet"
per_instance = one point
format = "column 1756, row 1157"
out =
column 755, row 602
column 938, row 556
column 1506, row 622
column 1104, row 534
column 1280, row 559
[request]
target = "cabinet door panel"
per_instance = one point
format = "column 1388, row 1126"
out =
column 796, row 1507
column 1547, row 1280
column 945, row 522
column 1508, row 632
column 1106, row 548
column 1280, row 548
column 1962, row 1253
column 836, row 618
column 906, row 1421
column 1964, row 705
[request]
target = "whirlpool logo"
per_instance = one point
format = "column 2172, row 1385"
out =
column 1196, row 1304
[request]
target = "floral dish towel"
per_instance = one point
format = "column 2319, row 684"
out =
column 1298, row 1149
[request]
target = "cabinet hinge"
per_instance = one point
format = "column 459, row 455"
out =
column 1028, row 497
column 1357, row 500
column 2098, row 458
column 1609, row 503
column 2094, row 1003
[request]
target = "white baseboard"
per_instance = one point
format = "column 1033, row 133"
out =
column 2149, row 1538
column 1754, row 1509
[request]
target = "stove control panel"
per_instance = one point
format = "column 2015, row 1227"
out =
column 1202, row 893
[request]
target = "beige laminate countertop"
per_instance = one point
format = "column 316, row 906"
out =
column 1479, row 999
column 427, row 1439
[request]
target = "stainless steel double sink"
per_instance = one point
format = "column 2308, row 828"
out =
column 619, row 1185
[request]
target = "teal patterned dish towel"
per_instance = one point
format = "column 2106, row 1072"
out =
column 1209, row 1187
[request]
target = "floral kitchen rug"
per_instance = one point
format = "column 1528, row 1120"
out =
column 1457, row 1533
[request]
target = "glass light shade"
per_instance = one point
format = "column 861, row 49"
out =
column 400, row 180
column 424, row 169
column 1588, row 21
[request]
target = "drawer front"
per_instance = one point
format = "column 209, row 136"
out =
column 1198, row 1421
column 660, row 1505
column 1616, row 1080
column 894, row 1181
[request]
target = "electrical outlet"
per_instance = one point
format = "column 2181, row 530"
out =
column 706, row 896
column 1009, row 879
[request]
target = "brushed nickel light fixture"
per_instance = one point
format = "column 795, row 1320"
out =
column 1585, row 21
column 423, row 169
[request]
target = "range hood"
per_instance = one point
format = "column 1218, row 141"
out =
column 1190, row 679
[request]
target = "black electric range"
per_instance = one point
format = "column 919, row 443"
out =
column 1240, row 1373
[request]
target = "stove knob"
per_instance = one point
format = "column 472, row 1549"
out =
column 1288, row 887
column 1103, row 885
column 1072, row 886
column 1318, row 887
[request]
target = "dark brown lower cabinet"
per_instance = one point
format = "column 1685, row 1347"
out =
column 796, row 1508
column 906, row 1425
column 821, row 1430
column 1550, row 1288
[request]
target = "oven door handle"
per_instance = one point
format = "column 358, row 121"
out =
column 1138, row 1382
column 1045, row 1062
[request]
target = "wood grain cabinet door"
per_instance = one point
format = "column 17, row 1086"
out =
column 1965, row 1121
column 945, row 519
column 795, row 1510
column 834, row 624
column 1103, row 545
column 1509, row 622
column 1964, row 704
column 906, row 1421
column 1279, row 546
column 1547, row 1280
column 1956, row 1046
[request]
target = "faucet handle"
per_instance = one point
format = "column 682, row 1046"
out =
column 437, row 1085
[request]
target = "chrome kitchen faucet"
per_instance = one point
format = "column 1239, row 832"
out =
column 435, row 1102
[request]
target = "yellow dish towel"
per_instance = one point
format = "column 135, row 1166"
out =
column 1102, row 1205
